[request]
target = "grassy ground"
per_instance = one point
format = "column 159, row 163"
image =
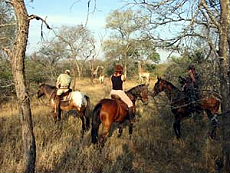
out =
column 152, row 148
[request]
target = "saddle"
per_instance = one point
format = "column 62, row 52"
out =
column 63, row 97
column 66, row 96
column 119, row 101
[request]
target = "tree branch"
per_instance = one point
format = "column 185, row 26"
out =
column 31, row 17
column 7, row 50
column 7, row 24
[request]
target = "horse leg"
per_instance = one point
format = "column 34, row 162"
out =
column 176, row 127
column 120, row 130
column 87, row 119
column 59, row 115
column 130, row 129
column 105, row 133
column 55, row 117
column 214, row 123
column 82, row 126
column 55, row 114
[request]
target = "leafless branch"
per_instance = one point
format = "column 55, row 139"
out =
column 31, row 17
column 88, row 8
column 210, row 14
column 7, row 24
column 7, row 50
column 7, row 86
column 9, row 2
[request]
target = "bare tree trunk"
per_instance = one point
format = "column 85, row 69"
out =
column 224, row 80
column 17, row 60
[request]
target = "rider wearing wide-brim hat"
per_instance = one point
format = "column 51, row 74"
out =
column 63, row 83
column 117, row 80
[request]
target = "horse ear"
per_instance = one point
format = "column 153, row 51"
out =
column 158, row 78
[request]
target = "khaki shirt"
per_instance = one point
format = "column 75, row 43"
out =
column 63, row 81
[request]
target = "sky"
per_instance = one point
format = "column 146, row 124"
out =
column 68, row 12
column 71, row 12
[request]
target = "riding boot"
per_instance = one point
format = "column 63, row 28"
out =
column 58, row 109
column 131, row 113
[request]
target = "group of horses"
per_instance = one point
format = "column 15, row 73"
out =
column 113, row 110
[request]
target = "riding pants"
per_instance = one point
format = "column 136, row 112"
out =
column 123, row 97
column 61, row 91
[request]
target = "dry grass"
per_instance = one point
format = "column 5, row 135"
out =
column 152, row 148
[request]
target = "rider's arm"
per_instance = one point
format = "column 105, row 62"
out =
column 71, row 85
column 192, row 76
column 123, row 77
column 58, row 81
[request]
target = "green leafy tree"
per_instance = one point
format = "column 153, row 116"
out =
column 127, row 37
column 189, row 25
column 7, row 25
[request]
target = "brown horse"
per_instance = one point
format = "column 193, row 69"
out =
column 180, row 105
column 109, row 111
column 74, row 101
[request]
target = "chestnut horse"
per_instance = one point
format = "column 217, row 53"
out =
column 109, row 111
column 180, row 105
column 74, row 101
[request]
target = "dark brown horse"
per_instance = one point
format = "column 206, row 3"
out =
column 75, row 101
column 180, row 105
column 109, row 111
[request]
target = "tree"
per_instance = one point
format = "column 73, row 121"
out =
column 17, row 55
column 79, row 45
column 7, row 33
column 188, row 24
column 127, row 41
column 7, row 25
column 16, row 52
column 48, row 56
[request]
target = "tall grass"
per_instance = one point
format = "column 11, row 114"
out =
column 151, row 149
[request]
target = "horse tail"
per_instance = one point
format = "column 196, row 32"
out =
column 87, row 111
column 96, row 122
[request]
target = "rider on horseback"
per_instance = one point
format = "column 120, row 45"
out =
column 191, row 86
column 63, row 86
column 117, row 80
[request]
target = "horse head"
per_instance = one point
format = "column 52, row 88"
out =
column 158, row 87
column 140, row 92
column 144, row 94
column 40, row 91
column 45, row 89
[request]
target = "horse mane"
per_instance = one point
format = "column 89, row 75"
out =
column 173, row 86
column 47, row 85
column 134, row 89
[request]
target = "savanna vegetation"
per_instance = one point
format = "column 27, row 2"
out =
column 30, row 141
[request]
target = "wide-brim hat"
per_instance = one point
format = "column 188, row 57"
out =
column 67, row 71
column 118, row 68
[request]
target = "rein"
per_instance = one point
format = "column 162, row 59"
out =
column 50, row 97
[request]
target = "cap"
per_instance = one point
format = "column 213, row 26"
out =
column 67, row 71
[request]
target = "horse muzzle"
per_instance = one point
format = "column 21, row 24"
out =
column 39, row 95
